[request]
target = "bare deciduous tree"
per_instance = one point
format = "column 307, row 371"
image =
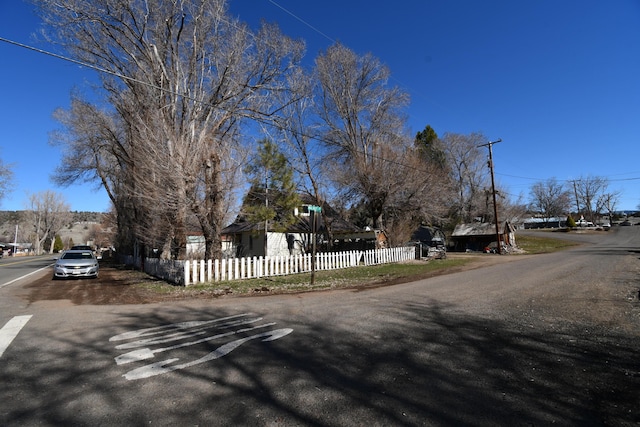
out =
column 362, row 124
column 469, row 172
column 6, row 179
column 589, row 190
column 419, row 193
column 607, row 202
column 46, row 213
column 181, row 77
column 550, row 198
column 96, row 148
column 299, row 131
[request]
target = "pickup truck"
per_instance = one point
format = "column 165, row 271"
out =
column 583, row 223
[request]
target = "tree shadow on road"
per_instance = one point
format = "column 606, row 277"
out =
column 423, row 364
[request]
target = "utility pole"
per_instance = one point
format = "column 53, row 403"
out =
column 575, row 192
column 15, row 242
column 493, row 190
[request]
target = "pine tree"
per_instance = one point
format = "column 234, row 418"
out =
column 57, row 244
column 272, row 197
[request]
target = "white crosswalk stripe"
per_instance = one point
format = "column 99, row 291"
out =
column 11, row 330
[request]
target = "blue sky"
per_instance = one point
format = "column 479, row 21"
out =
column 558, row 81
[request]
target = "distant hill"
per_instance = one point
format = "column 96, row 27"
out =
column 78, row 216
column 77, row 230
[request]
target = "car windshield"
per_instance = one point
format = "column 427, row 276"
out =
column 77, row 255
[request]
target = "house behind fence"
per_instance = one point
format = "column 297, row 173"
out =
column 185, row 273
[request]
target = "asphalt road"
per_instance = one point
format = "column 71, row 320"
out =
column 538, row 340
column 13, row 268
column 16, row 270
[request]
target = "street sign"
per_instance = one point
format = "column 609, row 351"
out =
column 315, row 208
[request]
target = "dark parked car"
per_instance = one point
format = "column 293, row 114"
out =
column 87, row 248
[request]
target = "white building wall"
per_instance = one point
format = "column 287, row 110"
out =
column 251, row 245
column 277, row 244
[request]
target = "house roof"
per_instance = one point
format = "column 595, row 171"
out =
column 302, row 225
column 479, row 229
column 534, row 220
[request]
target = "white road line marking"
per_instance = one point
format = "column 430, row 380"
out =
column 147, row 353
column 179, row 336
column 11, row 330
column 163, row 368
column 185, row 334
column 157, row 330
column 26, row 275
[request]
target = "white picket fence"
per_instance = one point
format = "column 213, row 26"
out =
column 201, row 271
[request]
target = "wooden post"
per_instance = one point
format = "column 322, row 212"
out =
column 493, row 190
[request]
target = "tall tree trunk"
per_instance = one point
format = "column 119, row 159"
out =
column 210, row 210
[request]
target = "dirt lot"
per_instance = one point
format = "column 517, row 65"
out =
column 116, row 285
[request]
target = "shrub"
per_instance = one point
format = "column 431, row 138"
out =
column 57, row 244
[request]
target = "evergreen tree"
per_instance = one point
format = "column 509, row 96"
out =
column 272, row 197
column 57, row 244
column 430, row 147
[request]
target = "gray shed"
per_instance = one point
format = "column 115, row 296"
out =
column 478, row 236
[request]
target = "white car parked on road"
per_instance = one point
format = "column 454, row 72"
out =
column 76, row 263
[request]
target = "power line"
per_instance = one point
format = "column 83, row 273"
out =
column 334, row 41
column 400, row 82
column 571, row 180
column 257, row 119
column 172, row 92
column 78, row 62
column 302, row 20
